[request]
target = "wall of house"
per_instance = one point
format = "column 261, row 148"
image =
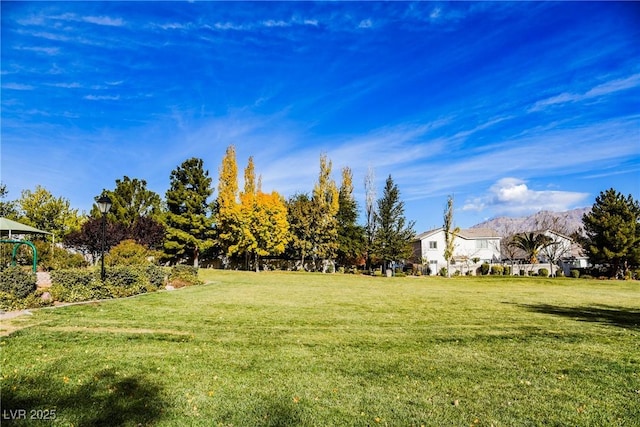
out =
column 463, row 248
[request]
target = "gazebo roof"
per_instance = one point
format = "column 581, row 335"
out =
column 9, row 227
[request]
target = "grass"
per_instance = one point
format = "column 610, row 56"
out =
column 278, row 349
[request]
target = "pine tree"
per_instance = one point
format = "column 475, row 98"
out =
column 351, row 238
column 188, row 220
column 394, row 234
column 131, row 200
column 612, row 230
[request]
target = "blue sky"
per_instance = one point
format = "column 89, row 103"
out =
column 510, row 107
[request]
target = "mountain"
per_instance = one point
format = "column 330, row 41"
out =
column 569, row 222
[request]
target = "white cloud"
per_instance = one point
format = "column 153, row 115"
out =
column 17, row 86
column 365, row 23
column 603, row 89
column 512, row 196
column 104, row 20
column 102, row 97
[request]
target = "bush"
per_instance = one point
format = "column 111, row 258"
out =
column 575, row 273
column 184, row 275
column 497, row 270
column 484, row 269
column 443, row 272
column 76, row 285
column 128, row 252
column 18, row 282
column 507, row 270
column 401, row 274
column 543, row 272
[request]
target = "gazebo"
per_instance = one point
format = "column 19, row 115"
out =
column 11, row 228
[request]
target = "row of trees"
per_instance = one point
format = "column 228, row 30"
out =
column 242, row 225
column 239, row 226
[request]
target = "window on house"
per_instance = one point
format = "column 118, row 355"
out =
column 433, row 244
column 482, row 244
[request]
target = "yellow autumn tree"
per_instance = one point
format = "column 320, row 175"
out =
column 264, row 228
column 228, row 221
column 326, row 204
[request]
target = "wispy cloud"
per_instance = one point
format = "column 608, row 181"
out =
column 17, row 86
column 102, row 97
column 104, row 20
column 603, row 89
column 512, row 196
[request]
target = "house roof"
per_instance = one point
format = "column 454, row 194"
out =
column 467, row 234
column 478, row 233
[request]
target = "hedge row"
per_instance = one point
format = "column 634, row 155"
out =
column 18, row 286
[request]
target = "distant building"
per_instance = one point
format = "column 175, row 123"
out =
column 472, row 247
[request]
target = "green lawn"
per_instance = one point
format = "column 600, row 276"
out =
column 284, row 349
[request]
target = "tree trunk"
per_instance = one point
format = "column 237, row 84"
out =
column 196, row 260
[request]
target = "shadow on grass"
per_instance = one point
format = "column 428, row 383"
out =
column 108, row 400
column 622, row 317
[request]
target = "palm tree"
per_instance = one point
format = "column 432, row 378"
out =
column 531, row 244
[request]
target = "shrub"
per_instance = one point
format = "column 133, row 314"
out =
column 184, row 275
column 156, row 275
column 443, row 272
column 74, row 285
column 543, row 272
column 127, row 252
column 401, row 274
column 507, row 270
column 575, row 273
column 484, row 269
column 18, row 282
column 497, row 270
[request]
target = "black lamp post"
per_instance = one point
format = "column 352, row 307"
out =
column 104, row 204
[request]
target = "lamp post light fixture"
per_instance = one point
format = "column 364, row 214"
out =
column 104, row 205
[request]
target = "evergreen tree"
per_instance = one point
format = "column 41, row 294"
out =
column 130, row 201
column 188, row 220
column 351, row 239
column 392, row 241
column 612, row 230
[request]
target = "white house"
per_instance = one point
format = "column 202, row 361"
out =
column 472, row 247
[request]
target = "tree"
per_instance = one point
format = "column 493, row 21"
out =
column 269, row 226
column 612, row 229
column 530, row 243
column 370, row 213
column 392, row 241
column 188, row 219
column 301, row 217
column 228, row 221
column 131, row 200
column 7, row 209
column 449, row 233
column 325, row 199
column 351, row 237
column 88, row 240
column 559, row 244
column 40, row 209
